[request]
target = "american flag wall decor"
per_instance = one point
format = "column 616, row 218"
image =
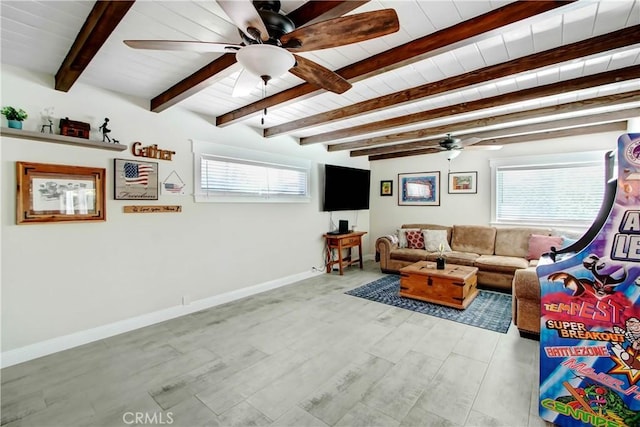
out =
column 135, row 180
column 173, row 185
column 137, row 174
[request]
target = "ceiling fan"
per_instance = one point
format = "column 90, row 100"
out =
column 450, row 143
column 270, row 41
column 456, row 145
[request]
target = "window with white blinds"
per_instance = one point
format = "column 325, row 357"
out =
column 232, row 174
column 227, row 176
column 553, row 194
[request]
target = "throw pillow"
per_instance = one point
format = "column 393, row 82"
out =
column 402, row 236
column 539, row 244
column 433, row 238
column 415, row 240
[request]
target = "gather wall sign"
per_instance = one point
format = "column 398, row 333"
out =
column 151, row 151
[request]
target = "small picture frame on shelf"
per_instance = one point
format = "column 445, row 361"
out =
column 463, row 182
column 59, row 193
column 135, row 180
column 386, row 188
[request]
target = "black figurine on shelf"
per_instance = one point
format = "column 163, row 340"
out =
column 105, row 130
column 49, row 126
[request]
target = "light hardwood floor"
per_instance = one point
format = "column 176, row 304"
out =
column 302, row 355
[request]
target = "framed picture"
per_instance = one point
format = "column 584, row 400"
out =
column 386, row 188
column 419, row 189
column 463, row 182
column 55, row 193
column 135, row 180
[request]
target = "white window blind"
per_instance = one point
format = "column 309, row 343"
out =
column 568, row 193
column 230, row 174
column 224, row 175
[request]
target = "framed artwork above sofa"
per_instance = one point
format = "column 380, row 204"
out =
column 419, row 189
column 463, row 182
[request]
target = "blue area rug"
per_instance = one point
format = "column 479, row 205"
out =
column 489, row 310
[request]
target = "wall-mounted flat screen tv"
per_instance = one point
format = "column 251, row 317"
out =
column 346, row 189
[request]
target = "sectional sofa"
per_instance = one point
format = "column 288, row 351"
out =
column 497, row 252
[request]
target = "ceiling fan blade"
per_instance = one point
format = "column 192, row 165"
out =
column 245, row 16
column 189, row 46
column 486, row 147
column 245, row 83
column 318, row 75
column 342, row 31
column 469, row 141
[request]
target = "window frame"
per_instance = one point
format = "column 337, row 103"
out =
column 206, row 150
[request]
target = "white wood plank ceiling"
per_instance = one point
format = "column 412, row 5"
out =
column 37, row 35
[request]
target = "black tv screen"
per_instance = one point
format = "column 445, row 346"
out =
column 345, row 189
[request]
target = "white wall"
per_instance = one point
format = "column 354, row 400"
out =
column 64, row 278
column 387, row 216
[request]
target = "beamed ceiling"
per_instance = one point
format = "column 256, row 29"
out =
column 498, row 71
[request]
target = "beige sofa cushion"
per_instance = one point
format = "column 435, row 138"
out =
column 460, row 258
column 405, row 254
column 473, row 238
column 500, row 264
column 514, row 241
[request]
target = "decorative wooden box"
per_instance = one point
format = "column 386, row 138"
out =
column 74, row 128
column 455, row 286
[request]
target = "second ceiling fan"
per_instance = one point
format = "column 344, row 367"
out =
column 455, row 145
column 270, row 41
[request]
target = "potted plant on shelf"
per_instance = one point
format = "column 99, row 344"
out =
column 14, row 116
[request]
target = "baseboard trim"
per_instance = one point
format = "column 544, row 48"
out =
column 54, row 345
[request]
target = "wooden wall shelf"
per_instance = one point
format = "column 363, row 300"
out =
column 60, row 139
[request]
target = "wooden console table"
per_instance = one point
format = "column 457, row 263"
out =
column 340, row 242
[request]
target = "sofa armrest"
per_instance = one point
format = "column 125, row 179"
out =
column 526, row 284
column 384, row 246
column 526, row 300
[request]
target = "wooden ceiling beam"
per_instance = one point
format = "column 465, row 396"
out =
column 192, row 84
column 310, row 12
column 463, row 33
column 313, row 12
column 603, row 43
column 565, row 86
column 540, row 136
column 456, row 128
column 558, row 133
column 586, row 120
column 102, row 20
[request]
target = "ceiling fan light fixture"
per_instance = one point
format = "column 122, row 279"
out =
column 265, row 60
column 452, row 154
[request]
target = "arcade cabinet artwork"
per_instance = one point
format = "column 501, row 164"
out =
column 590, row 310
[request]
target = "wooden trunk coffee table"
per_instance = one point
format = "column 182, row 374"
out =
column 455, row 286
